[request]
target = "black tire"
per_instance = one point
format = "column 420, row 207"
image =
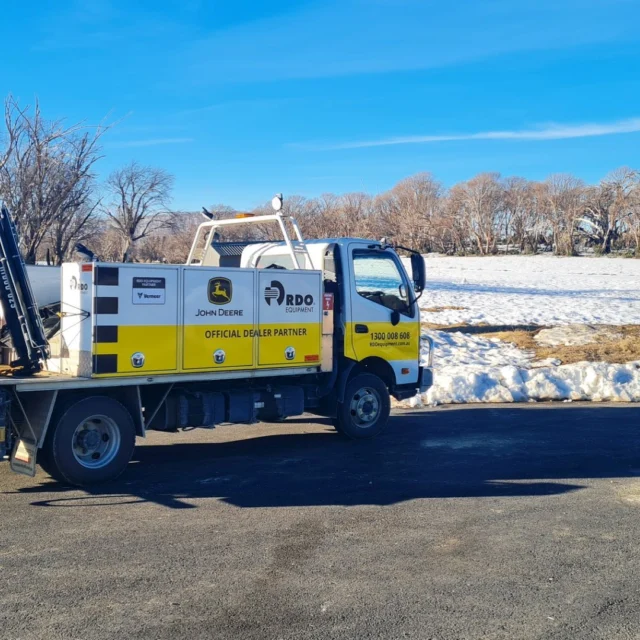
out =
column 83, row 432
column 366, row 407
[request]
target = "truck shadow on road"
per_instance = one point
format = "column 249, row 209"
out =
column 461, row 453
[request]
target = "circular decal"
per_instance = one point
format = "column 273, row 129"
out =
column 137, row 360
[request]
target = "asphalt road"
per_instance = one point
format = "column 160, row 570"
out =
column 516, row 522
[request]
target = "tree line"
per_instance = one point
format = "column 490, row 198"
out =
column 487, row 214
column 48, row 181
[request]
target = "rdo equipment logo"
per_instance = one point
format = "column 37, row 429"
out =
column 275, row 291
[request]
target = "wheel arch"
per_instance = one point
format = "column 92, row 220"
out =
column 374, row 365
column 128, row 396
column 378, row 367
column 58, row 456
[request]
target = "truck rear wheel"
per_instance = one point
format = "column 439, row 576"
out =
column 365, row 410
column 92, row 441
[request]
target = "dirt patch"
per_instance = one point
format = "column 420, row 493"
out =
column 618, row 350
column 438, row 309
column 482, row 327
column 573, row 335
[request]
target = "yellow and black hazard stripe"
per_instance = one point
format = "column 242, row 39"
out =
column 107, row 276
column 104, row 363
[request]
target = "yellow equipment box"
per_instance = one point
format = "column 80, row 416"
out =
column 156, row 319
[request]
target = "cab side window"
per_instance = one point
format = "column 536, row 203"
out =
column 378, row 278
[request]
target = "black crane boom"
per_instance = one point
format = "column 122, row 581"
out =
column 18, row 302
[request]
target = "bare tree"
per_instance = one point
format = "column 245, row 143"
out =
column 47, row 176
column 319, row 216
column 562, row 203
column 480, row 201
column 66, row 231
column 448, row 232
column 634, row 220
column 353, row 215
column 137, row 203
column 520, row 213
column 609, row 206
column 13, row 129
column 409, row 210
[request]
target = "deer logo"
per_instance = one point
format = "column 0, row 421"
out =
column 220, row 290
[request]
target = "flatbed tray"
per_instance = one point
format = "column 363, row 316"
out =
column 53, row 381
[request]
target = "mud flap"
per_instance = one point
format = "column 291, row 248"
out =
column 23, row 457
column 5, row 433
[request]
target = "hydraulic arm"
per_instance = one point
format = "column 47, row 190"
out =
column 18, row 302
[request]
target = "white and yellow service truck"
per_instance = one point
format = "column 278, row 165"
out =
column 245, row 331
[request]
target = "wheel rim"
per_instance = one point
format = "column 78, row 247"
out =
column 365, row 407
column 96, row 441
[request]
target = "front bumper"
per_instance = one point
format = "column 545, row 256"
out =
column 425, row 374
column 425, row 379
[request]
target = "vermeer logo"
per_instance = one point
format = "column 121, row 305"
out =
column 149, row 290
column 275, row 291
column 220, row 291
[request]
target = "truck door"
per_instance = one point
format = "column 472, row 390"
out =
column 379, row 292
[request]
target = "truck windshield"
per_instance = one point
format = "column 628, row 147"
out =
column 379, row 279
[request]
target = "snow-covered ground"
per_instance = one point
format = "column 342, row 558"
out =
column 544, row 290
column 475, row 369
column 526, row 291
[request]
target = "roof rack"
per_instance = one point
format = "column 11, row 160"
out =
column 205, row 236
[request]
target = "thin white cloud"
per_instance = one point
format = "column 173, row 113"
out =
column 256, row 103
column 149, row 142
column 548, row 132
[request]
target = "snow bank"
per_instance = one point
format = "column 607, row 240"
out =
column 473, row 369
column 542, row 290
column 597, row 381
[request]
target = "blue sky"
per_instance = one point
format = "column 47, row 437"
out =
column 246, row 98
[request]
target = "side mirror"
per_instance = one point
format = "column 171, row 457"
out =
column 419, row 271
column 395, row 317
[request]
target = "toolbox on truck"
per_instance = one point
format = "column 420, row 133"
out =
column 156, row 319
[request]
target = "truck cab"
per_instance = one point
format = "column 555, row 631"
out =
column 375, row 304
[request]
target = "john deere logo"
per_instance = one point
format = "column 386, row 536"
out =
column 220, row 291
column 275, row 291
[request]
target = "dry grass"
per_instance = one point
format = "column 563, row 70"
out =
column 621, row 350
column 449, row 308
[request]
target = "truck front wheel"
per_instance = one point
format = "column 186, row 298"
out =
column 92, row 441
column 365, row 410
